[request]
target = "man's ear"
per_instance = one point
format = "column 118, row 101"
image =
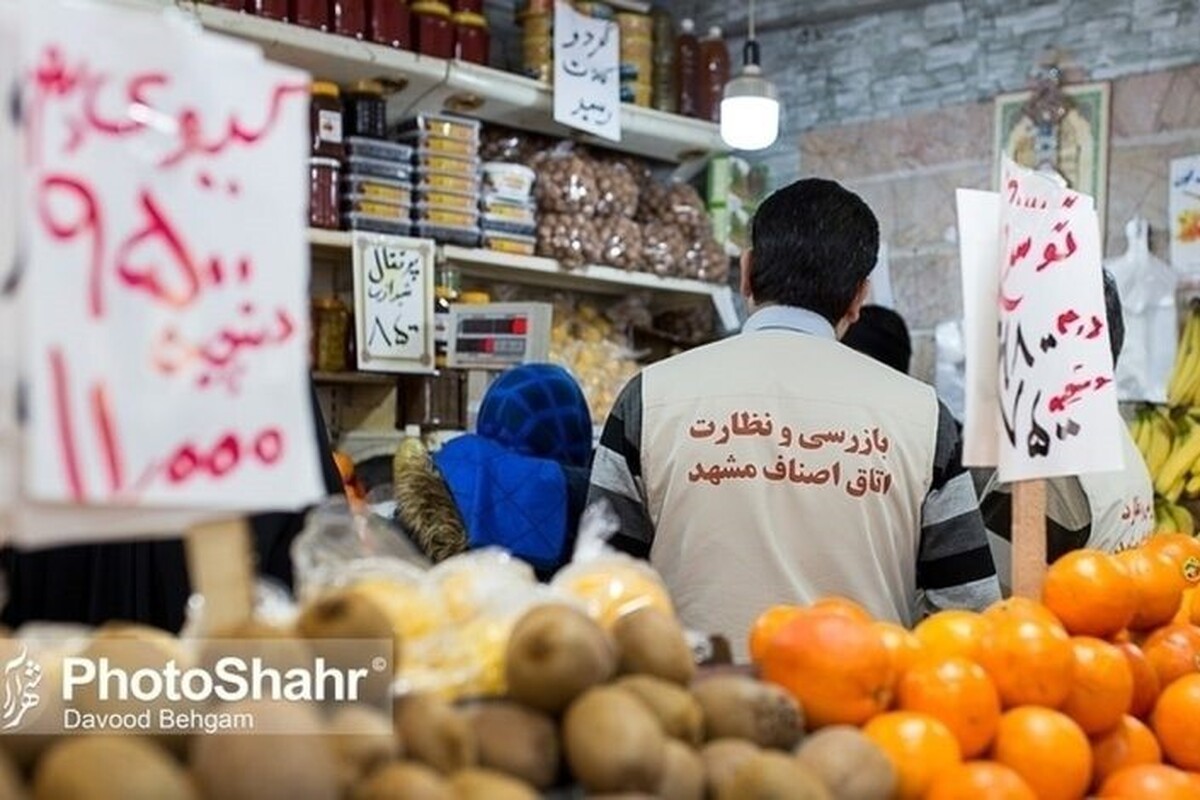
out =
column 852, row 313
column 747, row 265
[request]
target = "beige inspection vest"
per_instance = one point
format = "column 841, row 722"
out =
column 781, row 467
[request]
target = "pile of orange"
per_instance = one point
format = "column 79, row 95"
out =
column 1094, row 691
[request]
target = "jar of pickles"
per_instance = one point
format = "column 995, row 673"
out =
column 331, row 332
column 434, row 33
column 471, row 37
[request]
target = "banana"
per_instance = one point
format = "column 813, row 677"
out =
column 1162, row 438
column 1176, row 490
column 1191, row 489
column 1184, row 522
column 1184, row 362
column 1139, row 431
column 1184, row 452
column 1189, row 388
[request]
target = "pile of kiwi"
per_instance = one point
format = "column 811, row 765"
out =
column 590, row 713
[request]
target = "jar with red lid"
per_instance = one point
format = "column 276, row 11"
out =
column 388, row 23
column 311, row 13
column 471, row 37
column 325, row 120
column 272, row 9
column 350, row 18
column 434, row 32
column 324, row 193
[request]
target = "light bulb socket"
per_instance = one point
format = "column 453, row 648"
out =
column 751, row 55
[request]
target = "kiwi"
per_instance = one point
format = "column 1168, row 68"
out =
column 516, row 741
column 677, row 711
column 651, row 642
column 403, row 780
column 486, row 784
column 268, row 766
column 722, row 758
column 554, row 654
column 111, row 768
column 849, row 763
column 683, row 773
column 773, row 776
column 742, row 708
column 362, row 740
column 613, row 743
column 436, row 733
column 347, row 615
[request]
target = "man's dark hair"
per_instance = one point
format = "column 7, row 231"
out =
column 1116, row 319
column 881, row 334
column 814, row 243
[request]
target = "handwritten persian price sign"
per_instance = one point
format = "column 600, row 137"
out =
column 393, row 303
column 587, row 55
column 1056, row 401
column 1185, row 214
column 9, row 201
column 164, row 301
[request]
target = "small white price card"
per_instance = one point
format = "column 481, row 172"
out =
column 393, row 303
column 587, row 72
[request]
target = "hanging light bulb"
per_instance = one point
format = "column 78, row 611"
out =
column 750, row 105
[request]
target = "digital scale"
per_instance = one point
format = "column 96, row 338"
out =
column 496, row 336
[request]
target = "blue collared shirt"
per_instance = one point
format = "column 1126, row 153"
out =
column 789, row 318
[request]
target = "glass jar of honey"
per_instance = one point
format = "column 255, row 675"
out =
column 434, row 33
column 331, row 327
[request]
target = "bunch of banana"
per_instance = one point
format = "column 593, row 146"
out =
column 1170, row 444
column 1154, row 434
column 1172, row 518
column 1184, row 386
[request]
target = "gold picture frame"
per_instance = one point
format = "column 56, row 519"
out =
column 1085, row 129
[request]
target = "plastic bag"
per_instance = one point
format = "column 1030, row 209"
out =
column 610, row 584
column 618, row 190
column 678, row 205
column 620, row 243
column 566, row 182
column 573, row 239
column 664, row 249
column 1147, row 286
column 706, row 260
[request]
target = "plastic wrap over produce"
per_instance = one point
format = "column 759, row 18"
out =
column 589, row 345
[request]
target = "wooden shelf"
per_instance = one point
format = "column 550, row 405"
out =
column 353, row 378
column 422, row 83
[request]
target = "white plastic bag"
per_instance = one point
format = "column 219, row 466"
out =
column 1147, row 285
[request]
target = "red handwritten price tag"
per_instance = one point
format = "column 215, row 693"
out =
column 1053, row 409
column 165, row 293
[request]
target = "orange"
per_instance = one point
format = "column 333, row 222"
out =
column 1176, row 722
column 1159, row 584
column 1189, row 607
column 1031, row 663
column 765, row 627
column 1173, row 651
column 958, row 693
column 952, row 633
column 836, row 666
column 842, row 606
column 1020, row 608
column 980, row 780
column 1149, row 782
column 1184, row 550
column 1145, row 680
column 1129, row 744
column 1102, row 690
column 1047, row 749
column 902, row 645
column 1091, row 592
column 920, row 747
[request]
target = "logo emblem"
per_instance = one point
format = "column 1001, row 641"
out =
column 22, row 675
column 1191, row 570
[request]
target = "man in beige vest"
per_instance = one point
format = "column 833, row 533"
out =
column 779, row 466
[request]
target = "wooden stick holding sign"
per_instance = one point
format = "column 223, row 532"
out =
column 1028, row 538
column 220, row 563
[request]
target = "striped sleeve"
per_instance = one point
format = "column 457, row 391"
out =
column 617, row 472
column 1068, row 517
column 954, row 563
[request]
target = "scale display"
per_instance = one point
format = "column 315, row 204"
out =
column 498, row 335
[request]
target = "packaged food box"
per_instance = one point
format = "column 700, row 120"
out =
column 453, row 217
column 463, row 148
column 493, row 223
column 447, row 126
column 512, row 181
column 508, row 210
column 443, row 162
column 509, row 243
column 463, row 201
column 452, row 234
column 363, row 167
column 385, row 191
column 435, row 180
column 365, row 222
column 360, row 204
column 378, row 148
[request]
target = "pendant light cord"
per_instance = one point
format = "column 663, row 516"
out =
column 751, row 29
column 750, row 53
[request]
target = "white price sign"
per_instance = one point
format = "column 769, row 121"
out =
column 587, row 72
column 393, row 303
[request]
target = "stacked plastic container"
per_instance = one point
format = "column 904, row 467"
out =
column 377, row 186
column 508, row 210
column 447, row 189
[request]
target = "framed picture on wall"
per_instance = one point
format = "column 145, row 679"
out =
column 1076, row 147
